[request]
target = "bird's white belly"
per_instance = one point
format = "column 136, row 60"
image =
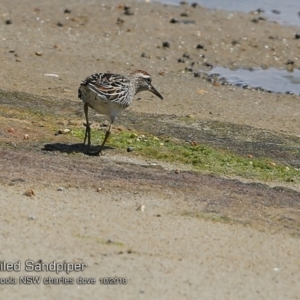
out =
column 100, row 105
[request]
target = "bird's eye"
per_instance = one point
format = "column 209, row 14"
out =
column 148, row 80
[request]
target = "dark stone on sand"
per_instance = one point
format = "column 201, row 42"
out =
column 275, row 11
column 290, row 62
column 256, row 20
column 145, row 55
column 173, row 21
column 127, row 11
column 8, row 22
column 187, row 69
column 199, row 46
column 206, row 64
column 259, row 10
column 166, row 44
column 120, row 21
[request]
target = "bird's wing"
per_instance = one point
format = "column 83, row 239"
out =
column 110, row 87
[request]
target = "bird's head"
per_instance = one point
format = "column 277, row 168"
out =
column 143, row 83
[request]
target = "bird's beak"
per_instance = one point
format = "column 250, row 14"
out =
column 155, row 92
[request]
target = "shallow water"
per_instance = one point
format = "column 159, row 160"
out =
column 287, row 11
column 274, row 80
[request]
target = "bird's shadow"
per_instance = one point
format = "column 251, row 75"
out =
column 73, row 148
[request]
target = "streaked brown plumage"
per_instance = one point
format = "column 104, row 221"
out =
column 109, row 94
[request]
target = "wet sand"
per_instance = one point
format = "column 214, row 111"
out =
column 173, row 235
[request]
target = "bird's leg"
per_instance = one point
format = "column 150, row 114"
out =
column 87, row 127
column 107, row 134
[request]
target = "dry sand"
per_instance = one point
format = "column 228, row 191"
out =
column 172, row 234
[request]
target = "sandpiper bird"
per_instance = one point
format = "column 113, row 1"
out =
column 108, row 94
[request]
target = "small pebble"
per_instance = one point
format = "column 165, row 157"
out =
column 140, row 207
column 29, row 193
column 99, row 190
column 190, row 116
column 199, row 46
column 67, row 130
column 10, row 129
column 120, row 21
column 127, row 11
column 297, row 36
column 264, row 66
column 39, row 53
column 104, row 124
column 166, row 44
column 67, row 11
column 130, row 149
column 63, row 131
column 173, row 21
column 60, row 189
column 51, row 75
column 275, row 11
column 8, row 22
column 59, row 24
column 290, row 62
column 259, row 10
column 208, row 65
column 145, row 55
column 26, row 136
